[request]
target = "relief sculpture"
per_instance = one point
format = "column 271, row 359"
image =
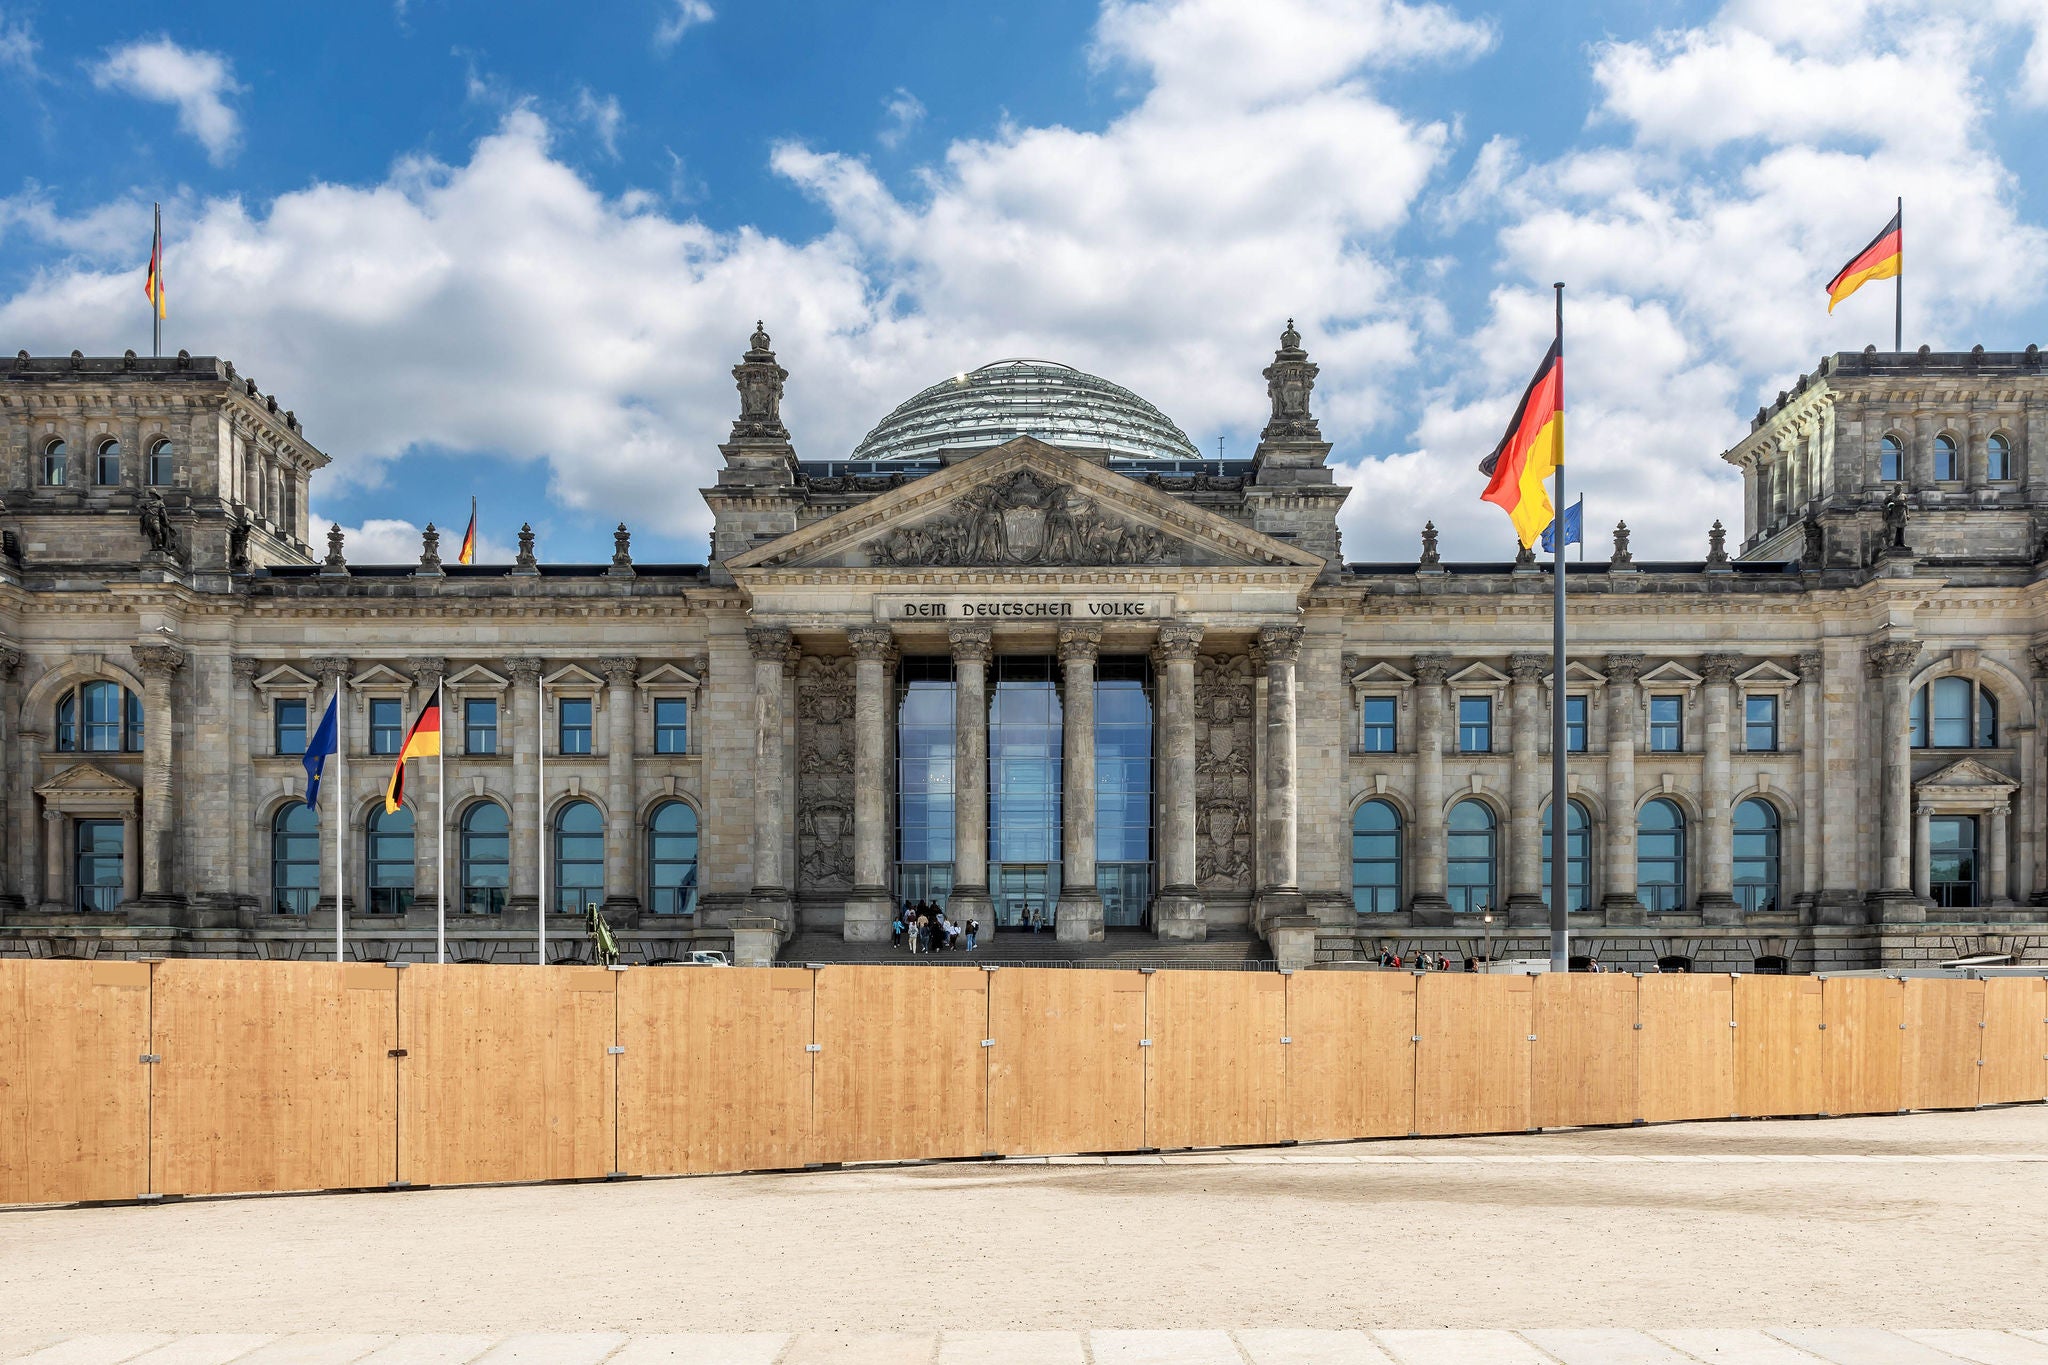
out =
column 1223, row 774
column 824, row 714
column 1024, row 519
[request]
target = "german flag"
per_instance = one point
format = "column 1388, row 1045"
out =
column 468, row 552
column 1531, row 452
column 153, row 284
column 1878, row 261
column 422, row 741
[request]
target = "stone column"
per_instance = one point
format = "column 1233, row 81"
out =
column 13, row 880
column 972, row 647
column 769, row 897
column 1812, row 762
column 241, row 812
column 622, row 823
column 867, row 909
column 1428, row 871
column 159, row 664
column 1996, row 855
column 1079, row 915
column 1177, row 911
column 333, row 674
column 1923, row 852
column 1717, row 862
column 2033, row 793
column 1279, row 895
column 1618, row 869
column 1525, row 791
column 1898, row 898
column 526, row 726
column 129, row 878
column 55, row 883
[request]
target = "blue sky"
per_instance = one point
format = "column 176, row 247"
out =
column 513, row 250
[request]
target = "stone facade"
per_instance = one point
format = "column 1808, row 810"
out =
column 1774, row 755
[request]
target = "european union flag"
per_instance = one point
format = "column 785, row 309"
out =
column 1574, row 528
column 318, row 748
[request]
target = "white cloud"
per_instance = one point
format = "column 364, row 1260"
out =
column 387, row 540
column 18, row 48
column 681, row 17
column 604, row 117
column 196, row 82
column 901, row 112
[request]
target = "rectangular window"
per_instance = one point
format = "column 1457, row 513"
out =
column 671, row 725
column 1666, row 729
column 574, row 730
column 480, row 725
column 1379, row 726
column 1575, row 725
column 1475, row 725
column 387, row 725
column 288, row 725
column 1760, row 724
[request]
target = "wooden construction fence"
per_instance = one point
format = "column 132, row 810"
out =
column 126, row 1080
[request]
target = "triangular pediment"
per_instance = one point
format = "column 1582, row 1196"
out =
column 1672, row 675
column 574, row 678
column 1576, row 674
column 1024, row 505
column 1767, row 675
column 1965, row 775
column 667, row 675
column 1479, row 675
column 477, row 678
column 85, row 780
column 380, row 678
column 1381, row 674
column 284, row 678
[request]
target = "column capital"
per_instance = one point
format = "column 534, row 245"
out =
column 10, row 662
column 2002, row 810
column 327, row 667
column 972, row 642
column 1430, row 669
column 1623, row 668
column 1892, row 658
column 1720, row 668
column 1179, row 640
column 1808, row 666
column 871, row 642
column 1280, row 644
column 427, row 670
column 1080, row 643
column 158, row 661
column 246, row 669
column 618, row 670
column 769, row 644
column 524, row 670
column 1528, row 667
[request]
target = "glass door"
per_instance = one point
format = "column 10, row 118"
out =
column 1022, row 896
column 99, row 865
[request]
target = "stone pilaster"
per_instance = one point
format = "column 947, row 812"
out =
column 622, row 823
column 1717, row 862
column 13, row 879
column 159, row 665
column 1620, row 902
column 1427, row 869
column 972, row 648
column 867, row 909
column 1812, row 761
column 430, row 802
column 1079, row 914
column 1525, row 791
column 2033, row 798
column 1998, row 856
column 525, row 726
column 1177, row 911
column 770, row 895
column 1279, row 894
column 333, row 672
column 1899, row 901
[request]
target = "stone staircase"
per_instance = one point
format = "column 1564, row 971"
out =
column 1223, row 950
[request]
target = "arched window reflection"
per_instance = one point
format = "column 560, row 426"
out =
column 1473, row 872
column 1376, row 858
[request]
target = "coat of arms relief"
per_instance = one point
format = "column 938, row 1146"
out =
column 1223, row 773
column 824, row 767
column 1024, row 519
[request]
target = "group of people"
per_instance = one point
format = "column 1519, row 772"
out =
column 922, row 927
column 1438, row 962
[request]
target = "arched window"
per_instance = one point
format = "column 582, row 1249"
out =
column 1964, row 715
column 485, row 859
column 388, row 853
column 579, row 857
column 1578, row 857
column 1472, row 864
column 160, row 464
column 1660, row 856
column 295, row 860
column 1376, row 858
column 1997, row 459
column 1756, row 855
column 672, row 859
column 99, row 717
column 1891, row 460
column 106, row 468
column 55, row 462
column 1945, row 469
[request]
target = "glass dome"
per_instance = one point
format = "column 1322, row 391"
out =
column 1056, row 403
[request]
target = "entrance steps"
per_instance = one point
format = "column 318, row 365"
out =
column 1223, row 950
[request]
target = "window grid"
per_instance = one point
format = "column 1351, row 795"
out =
column 573, row 724
column 485, row 856
column 1660, row 856
column 295, row 860
column 925, row 785
column 56, row 458
column 1965, row 715
column 1997, row 460
column 1377, row 735
column 160, row 464
column 107, row 464
column 579, row 857
column 672, row 859
column 1575, row 724
column 1945, row 470
column 1667, row 727
column 480, row 725
column 1376, row 859
column 98, row 873
column 288, row 725
column 387, row 724
column 1475, row 725
column 671, row 725
column 1891, row 460
column 1123, row 788
column 1757, row 856
column 1473, row 868
column 1760, row 723
column 1578, row 857
column 388, row 855
column 1952, row 862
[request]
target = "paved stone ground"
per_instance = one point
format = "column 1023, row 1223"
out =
column 1271, row 1346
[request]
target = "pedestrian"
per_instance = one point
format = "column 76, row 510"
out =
column 896, row 931
column 973, row 929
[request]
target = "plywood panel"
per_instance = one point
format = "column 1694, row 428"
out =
column 2015, row 1041
column 1582, row 1067
column 1778, row 1046
column 714, row 1076
column 1215, row 1075
column 74, row 1092
column 1472, row 1065
column 275, row 1076
column 901, row 1072
column 1351, row 1064
column 1943, row 1038
column 1066, row 1073
column 1861, row 1058
column 507, row 1073
column 1685, row 1054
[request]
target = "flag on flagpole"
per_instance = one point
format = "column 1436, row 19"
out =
column 468, row 552
column 1531, row 451
column 1881, row 260
column 153, row 284
column 422, row 741
column 320, row 748
column 1574, row 528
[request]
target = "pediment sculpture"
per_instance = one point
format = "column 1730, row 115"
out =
column 1022, row 520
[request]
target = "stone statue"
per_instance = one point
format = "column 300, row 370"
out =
column 1290, row 380
column 1429, row 553
column 156, row 524
column 238, row 548
column 1814, row 554
column 760, row 382
column 1895, row 520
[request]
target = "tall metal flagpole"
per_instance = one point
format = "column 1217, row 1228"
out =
column 156, row 318
column 340, row 815
column 540, row 815
column 1560, row 824
column 1899, row 285
column 441, row 829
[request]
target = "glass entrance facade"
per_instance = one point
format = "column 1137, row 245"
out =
column 924, row 779
column 1952, row 860
column 1123, row 789
column 1024, row 765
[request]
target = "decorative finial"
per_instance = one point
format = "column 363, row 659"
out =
column 1717, row 544
column 525, row 543
column 1290, row 340
column 1290, row 380
column 1621, row 553
column 430, row 551
column 760, row 382
column 1429, row 554
column 335, row 558
column 622, row 553
column 1525, row 555
column 760, row 337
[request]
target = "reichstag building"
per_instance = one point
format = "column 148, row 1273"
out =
column 1026, row 653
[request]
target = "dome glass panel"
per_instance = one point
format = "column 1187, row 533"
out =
column 1056, row 403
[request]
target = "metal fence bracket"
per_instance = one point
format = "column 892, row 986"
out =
column 615, row 1052
column 150, row 1058
column 814, row 1047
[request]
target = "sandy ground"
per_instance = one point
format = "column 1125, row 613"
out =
column 1687, row 1228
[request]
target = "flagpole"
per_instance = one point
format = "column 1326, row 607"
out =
column 1560, row 824
column 540, row 814
column 156, row 320
column 1899, row 285
column 340, row 817
column 441, row 828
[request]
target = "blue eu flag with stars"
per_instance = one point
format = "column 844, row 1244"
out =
column 1574, row 528
column 318, row 750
